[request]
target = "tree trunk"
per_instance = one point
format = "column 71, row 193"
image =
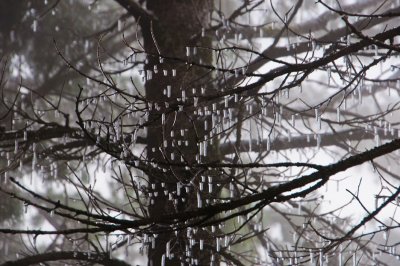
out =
column 176, row 139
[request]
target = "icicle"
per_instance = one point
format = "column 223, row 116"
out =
column 200, row 149
column 236, row 71
column 199, row 202
column 321, row 258
column 163, row 260
column 149, row 75
column 34, row 25
column 377, row 140
column 167, row 249
column 340, row 256
column 119, row 26
column 212, row 229
column 168, row 91
column 183, row 96
column 319, row 121
column 163, row 119
column 16, row 146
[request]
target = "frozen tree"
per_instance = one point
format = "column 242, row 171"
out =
column 201, row 132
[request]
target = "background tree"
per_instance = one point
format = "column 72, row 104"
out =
column 199, row 132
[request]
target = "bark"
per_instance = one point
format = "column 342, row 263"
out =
column 177, row 21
